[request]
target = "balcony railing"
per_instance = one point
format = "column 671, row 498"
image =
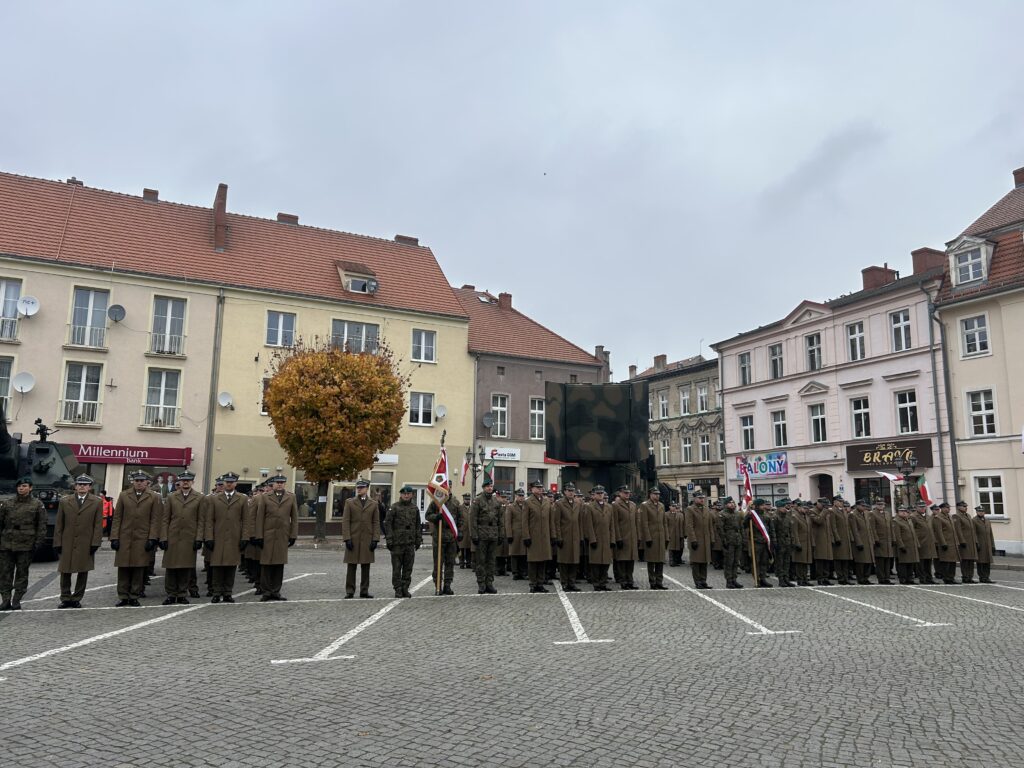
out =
column 87, row 336
column 8, row 329
column 166, row 344
column 160, row 416
column 79, row 412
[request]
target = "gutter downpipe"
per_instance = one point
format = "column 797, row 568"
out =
column 933, row 318
column 218, row 329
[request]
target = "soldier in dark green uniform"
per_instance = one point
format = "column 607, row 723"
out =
column 403, row 536
column 782, row 541
column 730, row 536
column 449, row 543
column 22, row 529
column 761, row 551
column 485, row 523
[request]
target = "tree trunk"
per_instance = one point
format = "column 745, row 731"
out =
column 321, row 512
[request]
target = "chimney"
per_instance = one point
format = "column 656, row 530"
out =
column 288, row 218
column 1018, row 178
column 220, row 218
column 926, row 259
column 504, row 301
column 151, row 195
column 75, row 182
column 632, row 371
column 659, row 362
column 876, row 277
column 468, row 287
column 406, row 240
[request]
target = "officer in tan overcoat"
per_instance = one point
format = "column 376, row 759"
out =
column 653, row 531
column 225, row 535
column 134, row 533
column 986, row 541
column 700, row 532
column 905, row 540
column 537, row 536
column 77, row 534
column 802, row 544
column 862, row 542
column 181, row 537
column 842, row 546
column 946, row 550
column 360, row 530
column 624, row 521
column 568, row 535
column 925, row 542
column 515, row 514
column 966, row 542
column 275, row 529
column 881, row 534
column 599, row 531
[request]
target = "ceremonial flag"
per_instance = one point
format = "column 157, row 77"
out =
column 465, row 469
column 440, row 490
column 760, row 526
column 889, row 477
column 748, row 494
column 923, row 492
column 489, row 472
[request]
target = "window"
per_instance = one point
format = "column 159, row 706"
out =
column 421, row 409
column 861, row 411
column 664, row 451
column 747, row 432
column 779, row 428
column 684, row 400
column 501, row 370
column 721, row 445
column 969, row 266
column 745, row 373
column 855, row 341
column 167, row 336
column 702, row 398
column 650, row 409
column 573, row 378
column 499, row 410
column 505, row 480
column 536, row 418
column 360, row 285
column 280, row 329
column 906, row 411
column 775, row 361
column 900, row 322
column 81, row 403
column 6, row 364
column 988, row 490
column 813, row 345
column 819, row 434
column 161, row 409
column 359, row 337
column 705, row 448
column 536, row 475
column 974, row 335
column 10, row 292
column 424, row 345
column 687, row 450
column 982, row 412
column 663, row 404
column 89, row 318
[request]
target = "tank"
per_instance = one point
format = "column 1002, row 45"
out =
column 52, row 467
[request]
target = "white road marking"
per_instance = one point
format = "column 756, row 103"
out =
column 959, row 597
column 1007, row 586
column 327, row 653
column 574, row 620
column 919, row 622
column 90, row 589
column 116, row 632
column 761, row 630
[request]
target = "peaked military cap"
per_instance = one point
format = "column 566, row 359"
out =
column 922, row 503
column 278, row 479
column 944, row 505
column 466, row 497
column 406, row 489
column 26, row 480
column 980, row 508
column 698, row 494
column 84, row 479
column 838, row 497
column 569, row 487
column 220, row 480
column 933, row 507
column 654, row 489
column 536, row 484
column 597, row 489
column 138, row 474
column 362, row 482
column 865, row 502
column 520, row 492
column 823, row 500
column 961, row 503
column 230, row 477
column 186, row 475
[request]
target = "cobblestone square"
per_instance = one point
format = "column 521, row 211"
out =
column 834, row 676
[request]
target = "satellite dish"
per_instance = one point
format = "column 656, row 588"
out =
column 23, row 382
column 372, row 286
column 488, row 420
column 28, row 305
column 116, row 313
column 441, row 412
column 225, row 400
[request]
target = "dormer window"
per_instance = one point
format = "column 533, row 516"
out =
column 358, row 285
column 969, row 266
column 357, row 278
column 969, row 259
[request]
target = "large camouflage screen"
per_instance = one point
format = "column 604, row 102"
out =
column 596, row 422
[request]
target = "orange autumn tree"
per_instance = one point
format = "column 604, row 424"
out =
column 332, row 410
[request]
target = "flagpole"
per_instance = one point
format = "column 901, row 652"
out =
column 439, row 545
column 753, row 552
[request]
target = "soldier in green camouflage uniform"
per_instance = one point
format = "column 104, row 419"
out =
column 22, row 529
column 485, row 523
column 761, row 551
column 404, row 536
column 449, row 544
column 782, row 541
column 730, row 536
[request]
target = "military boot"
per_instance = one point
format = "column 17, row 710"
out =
column 6, row 606
column 447, row 590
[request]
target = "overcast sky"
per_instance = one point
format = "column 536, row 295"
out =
column 649, row 176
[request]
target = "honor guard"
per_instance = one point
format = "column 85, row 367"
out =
column 276, row 528
column 22, row 531
column 134, row 533
column 181, row 537
column 225, row 536
column 360, row 530
column 403, row 536
column 77, row 534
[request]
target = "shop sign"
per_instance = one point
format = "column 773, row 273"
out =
column 91, row 453
column 883, row 455
column 503, row 454
column 764, row 464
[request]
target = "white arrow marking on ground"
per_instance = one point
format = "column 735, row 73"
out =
column 919, row 622
column 574, row 620
column 327, row 653
column 123, row 630
column 761, row 630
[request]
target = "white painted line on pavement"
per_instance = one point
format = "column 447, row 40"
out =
column 959, row 597
column 90, row 589
column 116, row 632
column 1006, row 586
column 326, row 653
column 919, row 622
column 761, row 630
column 574, row 620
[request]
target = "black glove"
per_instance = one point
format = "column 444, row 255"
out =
column 593, row 545
column 963, row 545
column 836, row 543
column 475, row 541
column 903, row 550
column 373, row 545
column 620, row 544
column 259, row 543
column 291, row 542
column 860, row 547
column 115, row 544
column 527, row 542
column 163, row 545
column 648, row 544
column 56, row 551
column 694, row 545
column 557, row 543
column 209, row 544
column 242, row 545
column 945, row 547
column 150, row 545
column 418, row 544
column 92, row 549
column 508, row 539
column 878, row 545
column 197, row 545
column 348, row 545
column 253, row 540
column 798, row 548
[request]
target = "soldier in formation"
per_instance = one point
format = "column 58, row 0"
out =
column 181, row 537
column 134, row 533
column 403, row 536
column 624, row 520
column 599, row 533
column 77, row 534
column 485, row 527
column 22, row 531
column 360, row 530
column 729, row 531
column 275, row 529
column 567, row 532
column 700, row 532
column 654, row 534
column 449, row 542
column 225, row 536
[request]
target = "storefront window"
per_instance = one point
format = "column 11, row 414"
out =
column 873, row 489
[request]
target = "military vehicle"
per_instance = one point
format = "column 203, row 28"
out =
column 52, row 467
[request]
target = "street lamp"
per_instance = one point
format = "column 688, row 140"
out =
column 911, row 464
column 474, row 466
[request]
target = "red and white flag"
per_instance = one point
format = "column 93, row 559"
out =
column 890, row 477
column 748, row 494
column 465, row 469
column 440, row 490
column 923, row 492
